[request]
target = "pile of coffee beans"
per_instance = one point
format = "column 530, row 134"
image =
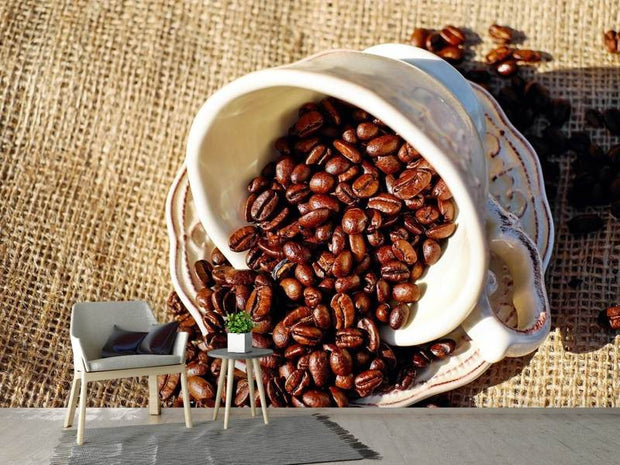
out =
column 448, row 42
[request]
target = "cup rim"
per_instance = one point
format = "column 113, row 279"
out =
column 289, row 76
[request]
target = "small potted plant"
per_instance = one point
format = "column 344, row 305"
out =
column 238, row 326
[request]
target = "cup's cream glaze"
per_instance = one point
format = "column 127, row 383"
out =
column 232, row 136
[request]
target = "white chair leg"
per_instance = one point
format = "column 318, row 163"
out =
column 154, row 404
column 186, row 406
column 73, row 397
column 229, row 391
column 82, row 416
column 220, row 386
column 248, row 371
column 261, row 390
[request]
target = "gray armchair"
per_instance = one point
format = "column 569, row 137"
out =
column 91, row 325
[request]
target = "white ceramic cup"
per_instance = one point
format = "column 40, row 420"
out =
column 432, row 107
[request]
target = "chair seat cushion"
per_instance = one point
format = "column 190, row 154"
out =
column 124, row 362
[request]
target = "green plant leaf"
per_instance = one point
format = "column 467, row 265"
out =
column 239, row 322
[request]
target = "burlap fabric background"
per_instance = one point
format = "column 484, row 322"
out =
column 96, row 99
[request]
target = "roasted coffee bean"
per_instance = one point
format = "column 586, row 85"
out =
column 373, row 339
column 405, row 292
column 199, row 388
column 271, row 361
column 451, row 53
column 281, row 335
column 385, row 254
column 306, row 335
column 203, row 269
column 507, row 68
column 296, row 351
column 388, row 164
column 283, row 146
column 452, row 35
column 403, row 251
column 344, row 311
column 365, row 186
column 322, row 317
column 610, row 318
column 292, row 288
column 527, row 56
column 395, row 271
column 304, row 274
column 262, row 326
column 434, row 42
column 276, row 392
column 378, row 364
column 264, row 206
column 383, row 290
column 407, row 153
column 242, row 393
column 344, row 193
column 382, row 313
column 405, row 378
column 399, row 316
column 318, row 155
column 340, row 398
column 286, row 369
column 349, row 136
column 349, row 338
column 308, row 124
column 366, row 131
column 501, row 34
column 319, row 368
column 306, row 107
column 327, row 284
column 213, row 322
column 385, row 203
column 261, row 341
column 315, row 218
column 354, row 221
column 329, row 106
column 297, row 193
column 296, row 252
column 367, row 381
column 357, row 244
column 316, row 399
column 297, row 382
column 322, row 183
column 362, row 302
column 431, row 251
column 499, row 55
column 203, row 299
column 341, row 362
column 441, row 231
column 420, row 359
column 348, row 151
column 323, row 201
column 427, row 215
column 419, row 36
column 337, row 165
column 259, row 302
column 611, row 117
column 349, row 174
column 441, row 349
column 383, row 145
column 284, row 169
column 342, row 265
column 299, row 315
column 196, row 368
column 611, row 41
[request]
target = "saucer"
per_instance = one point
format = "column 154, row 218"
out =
column 515, row 181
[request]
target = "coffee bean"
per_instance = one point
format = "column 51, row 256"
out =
column 419, row 36
column 527, row 56
column 296, row 252
column 357, row 244
column 452, row 35
column 420, row 359
column 283, row 145
column 383, row 145
column 507, row 68
column 322, row 183
column 199, row 388
column 434, row 42
column 342, row 264
column 354, row 221
column 319, row 367
column 451, row 53
column 383, row 290
column 382, row 313
column 403, row 251
column 281, row 335
column 292, row 288
column 297, row 382
column 367, row 381
column 399, row 316
column 441, row 231
column 318, row 155
column 395, row 271
column 315, row 218
column 373, row 339
column 316, row 399
column 243, row 239
column 349, row 174
column 284, row 169
column 385, row 203
column 341, row 362
column 441, row 349
column 203, row 269
column 406, row 292
column 610, row 318
column 431, row 251
column 344, row 193
column 259, row 302
column 349, row 338
column 405, row 378
column 348, row 151
column 344, row 310
column 196, row 368
column 264, row 206
column 308, row 124
column 499, row 55
column 501, row 34
column 319, row 201
column 203, row 299
column 611, row 41
column 276, row 392
column 297, row 193
column 306, row 335
column 321, row 317
column 365, row 186
column 427, row 215
column 347, row 284
column 340, row 398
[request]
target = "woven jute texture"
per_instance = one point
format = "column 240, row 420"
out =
column 96, row 100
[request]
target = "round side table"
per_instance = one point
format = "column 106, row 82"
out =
column 228, row 370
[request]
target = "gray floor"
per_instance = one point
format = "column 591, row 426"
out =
column 401, row 436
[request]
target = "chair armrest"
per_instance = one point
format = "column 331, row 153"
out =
column 79, row 354
column 179, row 344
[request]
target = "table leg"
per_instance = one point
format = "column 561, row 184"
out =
column 229, row 391
column 261, row 390
column 248, row 370
column 220, row 386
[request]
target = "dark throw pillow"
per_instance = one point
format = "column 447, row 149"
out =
column 159, row 339
column 122, row 342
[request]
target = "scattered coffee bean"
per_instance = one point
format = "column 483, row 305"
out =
column 610, row 318
column 501, row 34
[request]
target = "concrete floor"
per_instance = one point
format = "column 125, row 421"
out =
column 401, row 436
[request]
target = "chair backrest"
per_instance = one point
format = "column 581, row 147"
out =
column 92, row 323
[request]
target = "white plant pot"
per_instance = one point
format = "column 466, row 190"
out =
column 239, row 342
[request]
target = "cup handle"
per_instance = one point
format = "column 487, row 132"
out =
column 493, row 338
